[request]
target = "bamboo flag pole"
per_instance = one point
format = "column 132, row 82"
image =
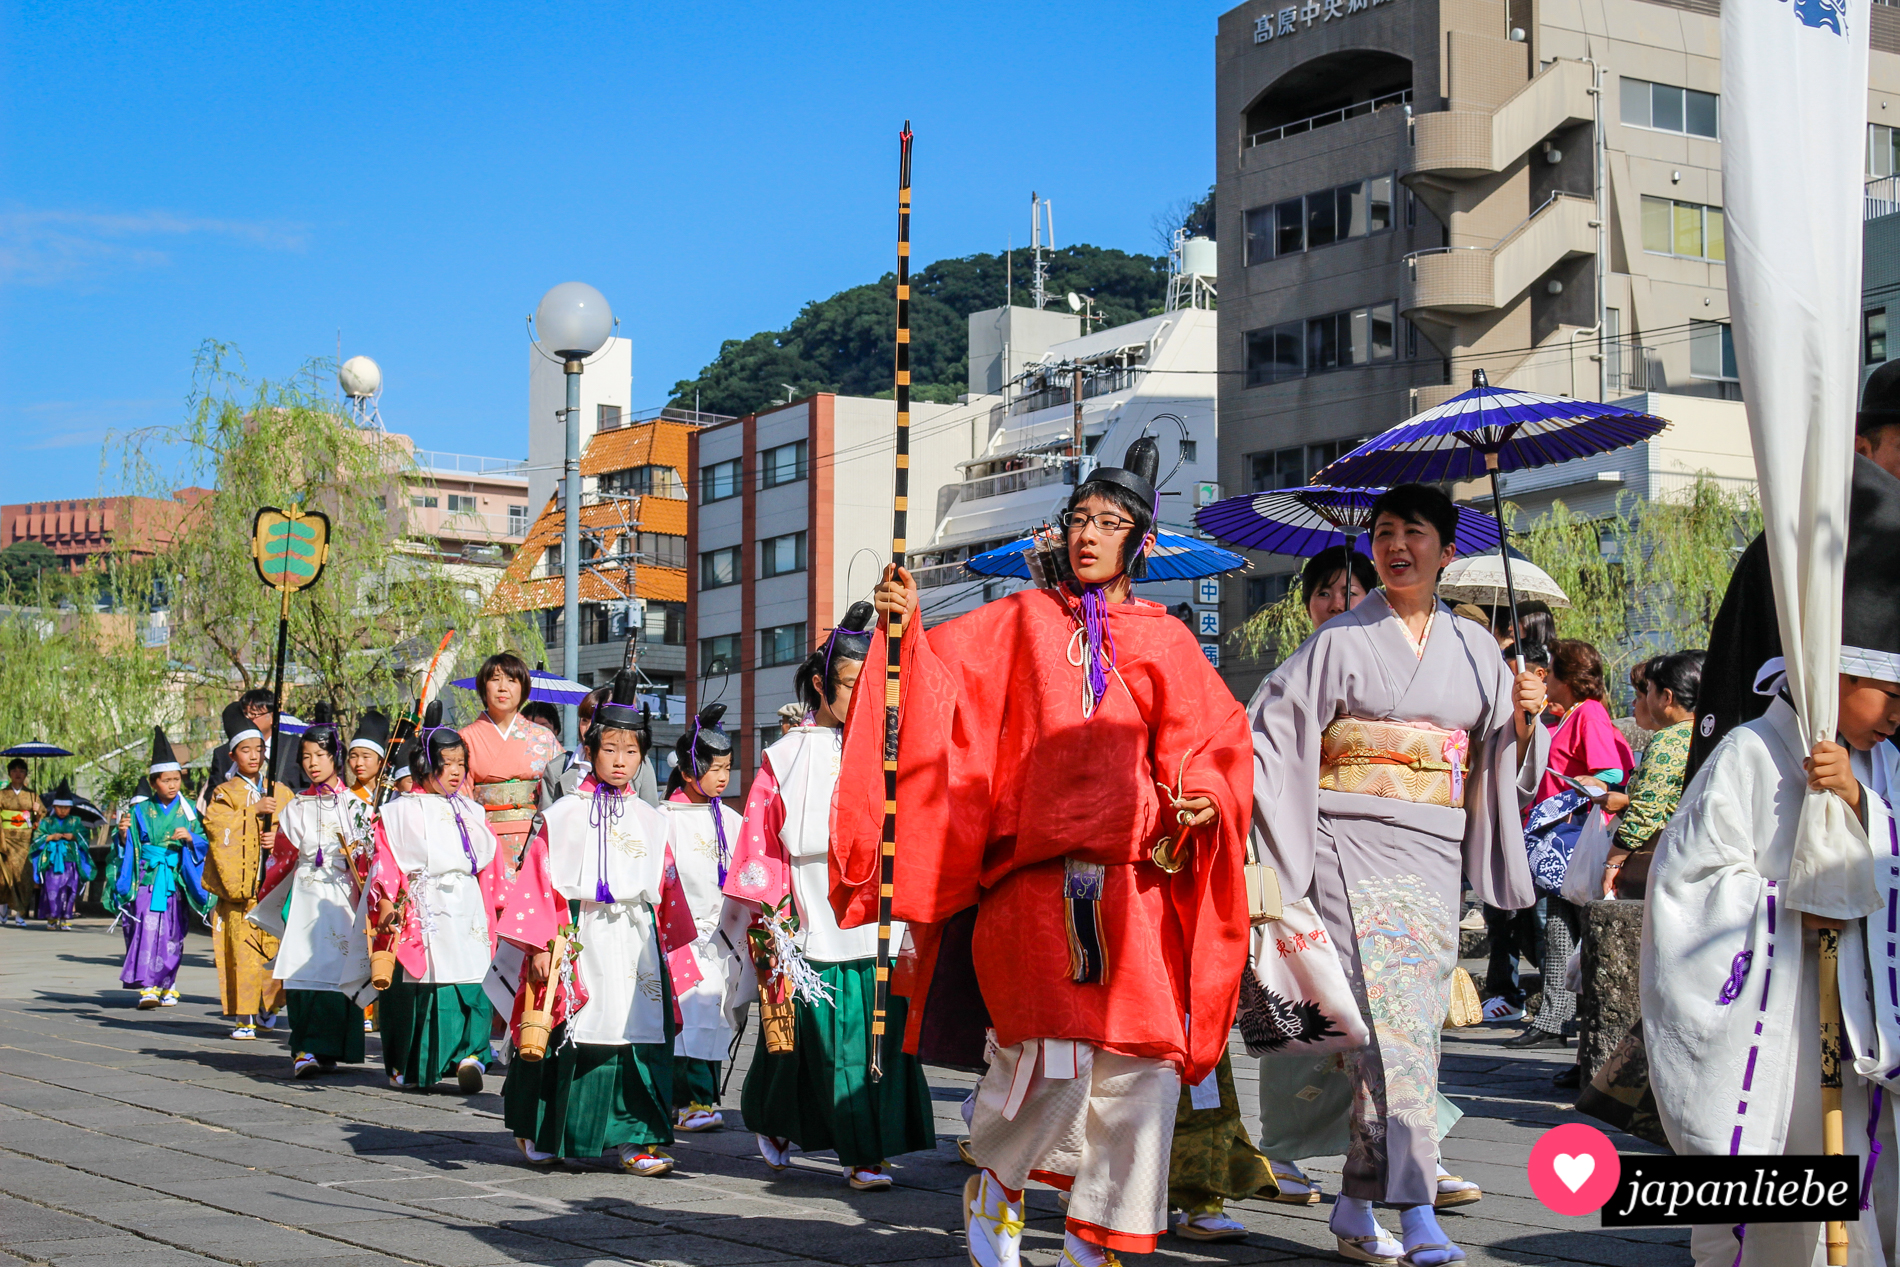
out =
column 894, row 641
column 1833, row 1142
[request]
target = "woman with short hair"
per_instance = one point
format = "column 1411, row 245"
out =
column 1386, row 768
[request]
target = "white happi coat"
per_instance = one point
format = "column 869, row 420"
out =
column 427, row 843
column 805, row 764
column 322, row 940
column 705, row 1032
column 619, row 961
column 1743, row 1076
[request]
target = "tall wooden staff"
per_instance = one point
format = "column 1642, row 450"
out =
column 894, row 641
column 1833, row 1142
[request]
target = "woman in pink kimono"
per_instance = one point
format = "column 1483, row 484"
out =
column 1386, row 767
column 506, row 754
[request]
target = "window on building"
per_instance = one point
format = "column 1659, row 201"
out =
column 1189, row 450
column 551, row 559
column 720, row 481
column 665, row 623
column 463, row 504
column 1873, row 326
column 780, row 555
column 719, row 655
column 1338, row 340
column 1684, row 228
column 660, row 549
column 1712, row 351
column 1294, row 465
column 423, row 501
column 1320, row 219
column 517, row 521
column 782, row 644
column 1669, row 109
column 784, row 464
column 1883, row 150
column 597, row 624
column 643, row 481
column 1263, row 591
column 606, row 417
column 719, row 568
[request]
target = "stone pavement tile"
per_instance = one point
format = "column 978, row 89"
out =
column 143, row 1213
column 249, row 1240
column 25, row 1221
column 279, row 1200
column 676, row 1249
column 409, row 1188
column 119, row 1242
column 1581, row 1243
column 869, row 1242
column 59, row 1185
column 448, row 1243
column 148, row 1255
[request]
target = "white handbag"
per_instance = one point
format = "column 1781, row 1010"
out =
column 1583, row 878
column 1294, row 996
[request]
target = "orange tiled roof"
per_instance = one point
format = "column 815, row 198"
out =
column 656, row 443
column 656, row 584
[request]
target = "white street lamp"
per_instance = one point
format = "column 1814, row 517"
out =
column 573, row 321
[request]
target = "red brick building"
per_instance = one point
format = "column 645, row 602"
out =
column 81, row 530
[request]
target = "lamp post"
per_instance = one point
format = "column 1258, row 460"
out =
column 573, row 321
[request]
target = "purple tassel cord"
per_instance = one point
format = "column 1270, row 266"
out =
column 1737, row 977
column 1873, row 1149
column 1101, row 645
column 606, row 806
column 468, row 850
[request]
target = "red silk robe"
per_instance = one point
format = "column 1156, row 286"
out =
column 1000, row 777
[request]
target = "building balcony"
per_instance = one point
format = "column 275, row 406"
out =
column 1469, row 279
column 1465, row 143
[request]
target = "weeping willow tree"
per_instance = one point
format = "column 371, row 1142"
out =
column 362, row 633
column 74, row 672
column 1645, row 580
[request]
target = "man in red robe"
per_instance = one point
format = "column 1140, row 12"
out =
column 1073, row 784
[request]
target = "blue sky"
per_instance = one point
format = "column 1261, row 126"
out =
column 417, row 175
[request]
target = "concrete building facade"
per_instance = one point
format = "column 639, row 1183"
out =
column 790, row 522
column 1409, row 190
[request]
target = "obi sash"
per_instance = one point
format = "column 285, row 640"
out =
column 508, row 800
column 1406, row 761
column 15, row 820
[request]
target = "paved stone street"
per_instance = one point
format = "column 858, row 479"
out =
column 151, row 1133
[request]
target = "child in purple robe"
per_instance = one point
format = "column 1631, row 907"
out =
column 160, row 869
column 61, row 861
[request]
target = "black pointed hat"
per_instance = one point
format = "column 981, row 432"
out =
column 1879, row 399
column 619, row 711
column 372, row 732
column 238, row 727
column 703, row 742
column 63, row 794
column 1870, row 588
column 432, row 715
column 142, row 790
column 1137, row 472
column 858, row 618
column 400, row 763
column 163, row 758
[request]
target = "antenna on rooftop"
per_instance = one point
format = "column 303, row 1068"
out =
column 362, row 381
column 1039, row 209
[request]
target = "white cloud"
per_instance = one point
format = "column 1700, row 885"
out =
column 41, row 248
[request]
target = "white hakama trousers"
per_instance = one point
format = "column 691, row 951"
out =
column 1107, row 1128
column 1871, row 1240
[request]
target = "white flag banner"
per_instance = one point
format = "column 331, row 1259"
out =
column 1794, row 136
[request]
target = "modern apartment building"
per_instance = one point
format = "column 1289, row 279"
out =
column 1156, row 375
column 790, row 523
column 1409, row 190
column 633, row 564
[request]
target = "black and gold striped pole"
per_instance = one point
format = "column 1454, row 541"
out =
column 894, row 640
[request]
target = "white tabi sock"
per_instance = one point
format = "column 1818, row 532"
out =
column 1420, row 1227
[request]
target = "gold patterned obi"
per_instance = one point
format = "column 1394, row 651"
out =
column 1406, row 761
column 15, row 820
column 508, row 800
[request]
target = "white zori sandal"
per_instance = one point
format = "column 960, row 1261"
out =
column 648, row 1163
column 1295, row 1187
column 1454, row 1191
column 1208, row 1225
column 992, row 1224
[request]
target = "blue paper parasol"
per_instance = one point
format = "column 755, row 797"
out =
column 550, row 688
column 1173, row 558
column 1304, row 521
column 1487, row 430
column 34, row 748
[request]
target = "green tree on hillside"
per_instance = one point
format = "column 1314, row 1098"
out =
column 22, row 562
column 847, row 343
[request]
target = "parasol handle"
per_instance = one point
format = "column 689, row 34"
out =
column 1832, row 1133
column 1504, row 553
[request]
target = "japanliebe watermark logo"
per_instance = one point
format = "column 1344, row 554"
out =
column 1575, row 1170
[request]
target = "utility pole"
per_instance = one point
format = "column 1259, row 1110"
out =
column 1077, row 445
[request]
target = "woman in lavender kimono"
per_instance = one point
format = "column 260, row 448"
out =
column 1386, row 766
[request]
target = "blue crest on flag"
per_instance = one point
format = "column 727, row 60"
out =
column 1828, row 14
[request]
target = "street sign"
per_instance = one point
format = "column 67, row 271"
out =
column 1207, row 623
column 1212, row 651
column 1207, row 591
column 1206, row 493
